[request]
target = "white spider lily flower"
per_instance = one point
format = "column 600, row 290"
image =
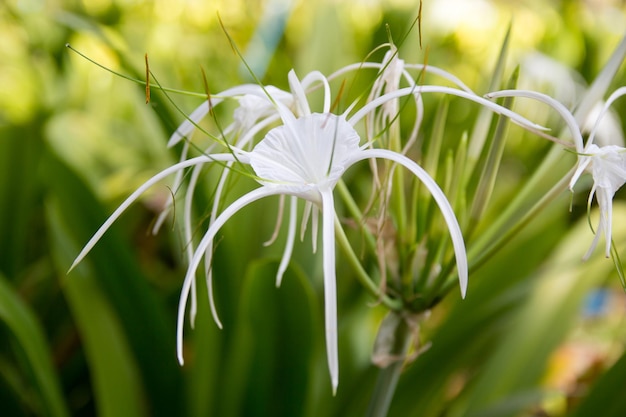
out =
column 607, row 165
column 304, row 158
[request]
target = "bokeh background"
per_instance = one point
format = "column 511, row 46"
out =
column 540, row 333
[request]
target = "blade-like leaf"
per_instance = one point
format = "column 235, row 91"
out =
column 30, row 339
column 144, row 321
column 114, row 372
column 271, row 354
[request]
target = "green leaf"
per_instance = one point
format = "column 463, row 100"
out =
column 544, row 320
column 33, row 347
column 483, row 120
column 20, row 149
column 271, row 354
column 115, row 375
column 73, row 216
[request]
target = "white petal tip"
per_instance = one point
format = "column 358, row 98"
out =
column 176, row 137
column 279, row 279
column 71, row 268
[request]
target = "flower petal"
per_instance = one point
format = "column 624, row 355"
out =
column 201, row 250
column 187, row 127
column 330, row 285
column 291, row 237
column 572, row 124
column 138, row 192
column 441, row 199
column 515, row 118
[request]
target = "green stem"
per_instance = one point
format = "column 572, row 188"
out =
column 387, row 380
column 356, row 214
column 361, row 274
column 478, row 254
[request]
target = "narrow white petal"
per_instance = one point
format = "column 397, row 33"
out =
column 188, row 233
column 601, row 83
column 296, row 88
column 583, row 162
column 188, row 126
column 442, row 73
column 599, row 230
column 441, row 199
column 314, row 227
column 421, row 67
column 291, row 237
column 201, row 250
column 330, row 286
column 135, row 195
column 318, row 76
column 605, row 202
column 555, row 104
column 279, row 221
column 515, row 118
column 614, row 96
column 306, row 214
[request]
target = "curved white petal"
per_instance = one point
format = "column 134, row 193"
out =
column 135, row 195
column 279, row 221
column 515, row 118
column 614, row 96
column 201, row 250
column 421, row 67
column 318, row 76
column 441, row 199
column 302, row 103
column 605, row 202
column 189, row 124
column 599, row 229
column 567, row 116
column 187, row 230
column 291, row 237
column 306, row 214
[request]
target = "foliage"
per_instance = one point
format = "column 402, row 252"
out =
column 540, row 332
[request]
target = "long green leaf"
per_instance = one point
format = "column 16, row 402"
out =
column 115, row 375
column 30, row 338
column 543, row 322
column 271, row 354
column 144, row 321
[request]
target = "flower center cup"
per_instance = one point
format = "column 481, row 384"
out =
column 305, row 154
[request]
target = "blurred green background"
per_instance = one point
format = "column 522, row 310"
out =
column 540, row 333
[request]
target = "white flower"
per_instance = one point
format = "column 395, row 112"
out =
column 607, row 165
column 303, row 158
